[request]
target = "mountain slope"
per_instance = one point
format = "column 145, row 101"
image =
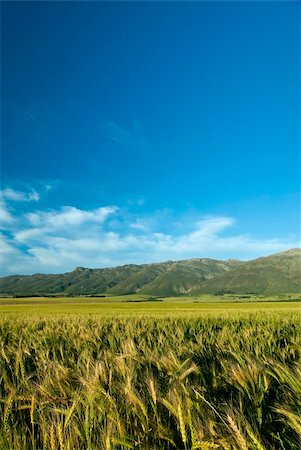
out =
column 167, row 278
column 185, row 276
column 278, row 273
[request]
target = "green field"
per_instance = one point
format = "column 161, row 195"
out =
column 143, row 304
column 99, row 373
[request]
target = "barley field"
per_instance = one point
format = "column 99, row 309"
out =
column 175, row 375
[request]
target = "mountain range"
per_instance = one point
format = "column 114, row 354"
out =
column 275, row 274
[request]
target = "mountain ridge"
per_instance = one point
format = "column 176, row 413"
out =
column 277, row 273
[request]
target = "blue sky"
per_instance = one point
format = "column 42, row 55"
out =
column 140, row 132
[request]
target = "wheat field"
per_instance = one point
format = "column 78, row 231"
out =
column 229, row 380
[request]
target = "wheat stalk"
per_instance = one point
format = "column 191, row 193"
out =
column 238, row 435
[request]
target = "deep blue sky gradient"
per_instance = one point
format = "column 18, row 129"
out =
column 190, row 107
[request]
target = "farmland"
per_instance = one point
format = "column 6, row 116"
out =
column 127, row 372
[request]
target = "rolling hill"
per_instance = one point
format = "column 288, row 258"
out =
column 278, row 273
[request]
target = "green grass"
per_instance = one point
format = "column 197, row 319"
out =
column 141, row 304
column 80, row 374
column 122, row 305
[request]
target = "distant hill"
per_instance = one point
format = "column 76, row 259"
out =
column 279, row 273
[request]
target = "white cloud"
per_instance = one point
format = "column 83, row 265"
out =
column 19, row 196
column 29, row 235
column 6, row 217
column 12, row 259
column 140, row 225
column 59, row 240
column 213, row 225
column 6, row 247
column 69, row 216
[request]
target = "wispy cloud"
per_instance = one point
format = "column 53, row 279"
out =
column 20, row 196
column 58, row 240
column 5, row 216
column 68, row 216
column 140, row 224
column 45, row 186
column 130, row 138
column 36, row 120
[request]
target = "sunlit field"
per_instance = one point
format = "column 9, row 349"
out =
column 143, row 304
column 118, row 374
